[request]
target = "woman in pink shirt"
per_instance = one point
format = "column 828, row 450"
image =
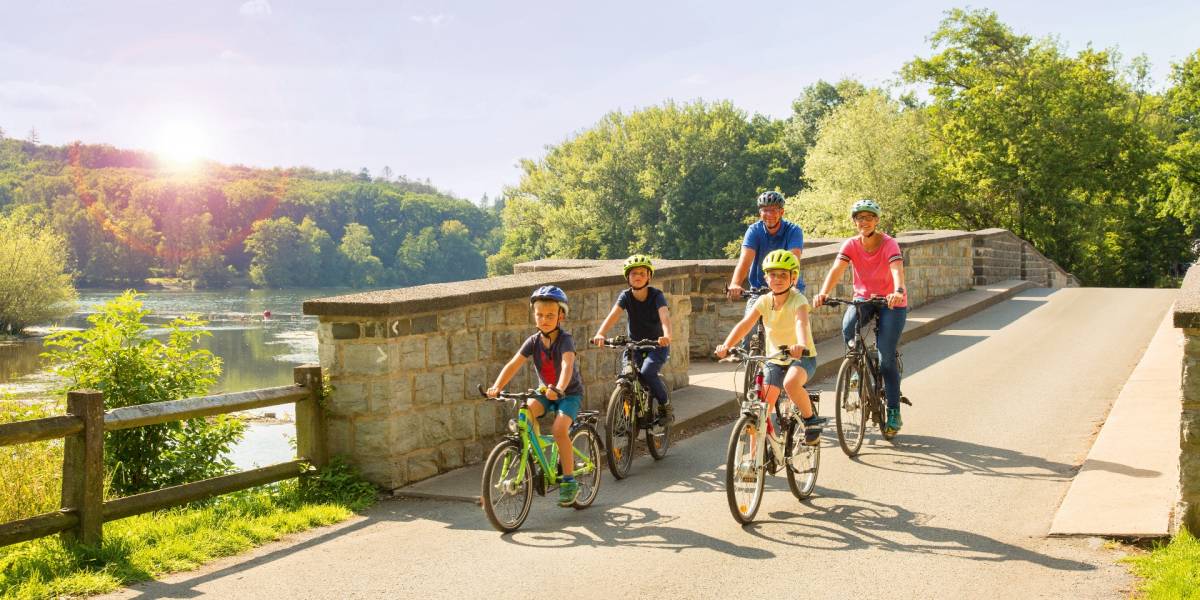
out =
column 878, row 272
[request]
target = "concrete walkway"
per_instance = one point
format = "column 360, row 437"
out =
column 1129, row 484
column 710, row 396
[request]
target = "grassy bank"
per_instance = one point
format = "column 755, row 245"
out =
column 1170, row 570
column 30, row 474
column 147, row 546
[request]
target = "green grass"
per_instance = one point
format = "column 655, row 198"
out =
column 147, row 546
column 1171, row 570
column 32, row 473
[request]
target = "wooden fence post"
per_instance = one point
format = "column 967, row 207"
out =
column 310, row 417
column 83, row 468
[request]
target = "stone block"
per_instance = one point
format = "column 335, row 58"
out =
column 424, row 324
column 373, row 438
column 488, row 419
column 393, row 395
column 407, row 435
column 427, row 389
column 495, row 315
column 475, row 317
column 483, row 343
column 450, row 455
column 348, row 400
column 452, row 320
column 517, row 313
column 437, row 352
column 376, row 470
column 411, row 354
column 473, row 452
column 462, row 420
column 399, row 328
column 422, row 464
column 339, row 436
column 374, row 329
column 476, row 375
column 365, row 359
column 453, row 386
column 327, row 355
column 345, row 331
column 464, row 348
column 435, row 427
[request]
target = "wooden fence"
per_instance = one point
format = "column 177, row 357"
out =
column 84, row 510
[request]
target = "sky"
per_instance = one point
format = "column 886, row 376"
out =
column 460, row 92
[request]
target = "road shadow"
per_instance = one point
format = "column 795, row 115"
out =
column 931, row 455
column 840, row 520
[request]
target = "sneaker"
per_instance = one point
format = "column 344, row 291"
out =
column 666, row 414
column 812, row 430
column 894, row 423
column 567, row 492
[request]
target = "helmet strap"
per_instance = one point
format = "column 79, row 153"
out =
column 547, row 335
column 638, row 289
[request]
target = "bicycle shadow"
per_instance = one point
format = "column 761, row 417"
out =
column 931, row 455
column 841, row 521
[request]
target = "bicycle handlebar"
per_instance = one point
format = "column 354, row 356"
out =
column 622, row 341
column 527, row 394
column 875, row 300
column 755, row 292
column 739, row 354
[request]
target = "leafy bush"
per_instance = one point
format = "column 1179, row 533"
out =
column 118, row 357
column 35, row 287
column 337, row 483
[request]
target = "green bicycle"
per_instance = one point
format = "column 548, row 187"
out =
column 526, row 461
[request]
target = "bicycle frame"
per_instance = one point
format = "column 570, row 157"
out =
column 542, row 448
column 755, row 406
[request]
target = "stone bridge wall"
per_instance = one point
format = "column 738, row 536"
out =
column 404, row 363
column 1187, row 318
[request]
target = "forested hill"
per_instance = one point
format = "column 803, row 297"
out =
column 125, row 218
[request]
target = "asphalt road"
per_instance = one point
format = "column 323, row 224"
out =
column 1007, row 403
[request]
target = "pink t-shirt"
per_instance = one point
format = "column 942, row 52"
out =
column 872, row 272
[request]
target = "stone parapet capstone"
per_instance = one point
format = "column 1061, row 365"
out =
column 1187, row 317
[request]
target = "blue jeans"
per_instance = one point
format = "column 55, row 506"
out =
column 650, row 362
column 891, row 325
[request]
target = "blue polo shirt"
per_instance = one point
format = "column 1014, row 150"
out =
column 788, row 237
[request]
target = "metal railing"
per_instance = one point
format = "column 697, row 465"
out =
column 84, row 509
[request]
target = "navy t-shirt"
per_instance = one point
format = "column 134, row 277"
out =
column 644, row 322
column 789, row 237
column 547, row 361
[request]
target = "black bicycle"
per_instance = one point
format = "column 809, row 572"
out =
column 631, row 410
column 757, row 344
column 859, row 395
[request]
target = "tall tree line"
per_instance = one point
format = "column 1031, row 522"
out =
column 1075, row 152
column 124, row 219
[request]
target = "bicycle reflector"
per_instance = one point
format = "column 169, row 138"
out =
column 512, row 425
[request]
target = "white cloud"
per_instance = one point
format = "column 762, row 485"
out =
column 256, row 8
column 434, row 20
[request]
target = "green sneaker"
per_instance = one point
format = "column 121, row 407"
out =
column 567, row 492
column 894, row 422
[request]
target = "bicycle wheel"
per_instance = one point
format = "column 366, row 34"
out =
column 756, row 346
column 658, row 438
column 620, row 431
column 505, row 498
column 744, row 477
column 586, row 444
column 802, row 461
column 850, row 408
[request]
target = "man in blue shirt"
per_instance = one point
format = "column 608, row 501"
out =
column 770, row 232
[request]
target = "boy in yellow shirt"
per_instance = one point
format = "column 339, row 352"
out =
column 785, row 318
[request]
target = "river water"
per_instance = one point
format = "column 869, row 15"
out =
column 255, row 352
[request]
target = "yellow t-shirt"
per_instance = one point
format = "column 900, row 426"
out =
column 781, row 324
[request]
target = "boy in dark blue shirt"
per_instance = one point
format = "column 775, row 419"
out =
column 649, row 319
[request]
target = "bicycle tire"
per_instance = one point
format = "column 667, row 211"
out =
column 620, row 431
column 802, row 462
column 587, row 477
column 850, row 409
column 742, row 469
column 505, row 457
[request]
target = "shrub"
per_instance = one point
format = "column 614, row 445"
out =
column 120, row 359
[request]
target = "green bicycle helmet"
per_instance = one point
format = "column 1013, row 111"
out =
column 637, row 260
column 868, row 205
column 781, row 260
column 770, row 198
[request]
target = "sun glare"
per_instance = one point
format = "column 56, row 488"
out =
column 182, row 144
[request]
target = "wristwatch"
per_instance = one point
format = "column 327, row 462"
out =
column 557, row 391
column 899, row 290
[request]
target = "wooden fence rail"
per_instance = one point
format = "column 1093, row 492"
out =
column 84, row 510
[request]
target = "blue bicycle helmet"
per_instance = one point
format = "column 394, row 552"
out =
column 552, row 293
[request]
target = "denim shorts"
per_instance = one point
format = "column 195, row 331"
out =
column 567, row 405
column 773, row 373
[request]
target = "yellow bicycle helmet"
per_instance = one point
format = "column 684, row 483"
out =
column 637, row 260
column 781, row 260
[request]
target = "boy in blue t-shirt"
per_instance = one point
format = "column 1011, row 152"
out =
column 649, row 319
column 553, row 352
